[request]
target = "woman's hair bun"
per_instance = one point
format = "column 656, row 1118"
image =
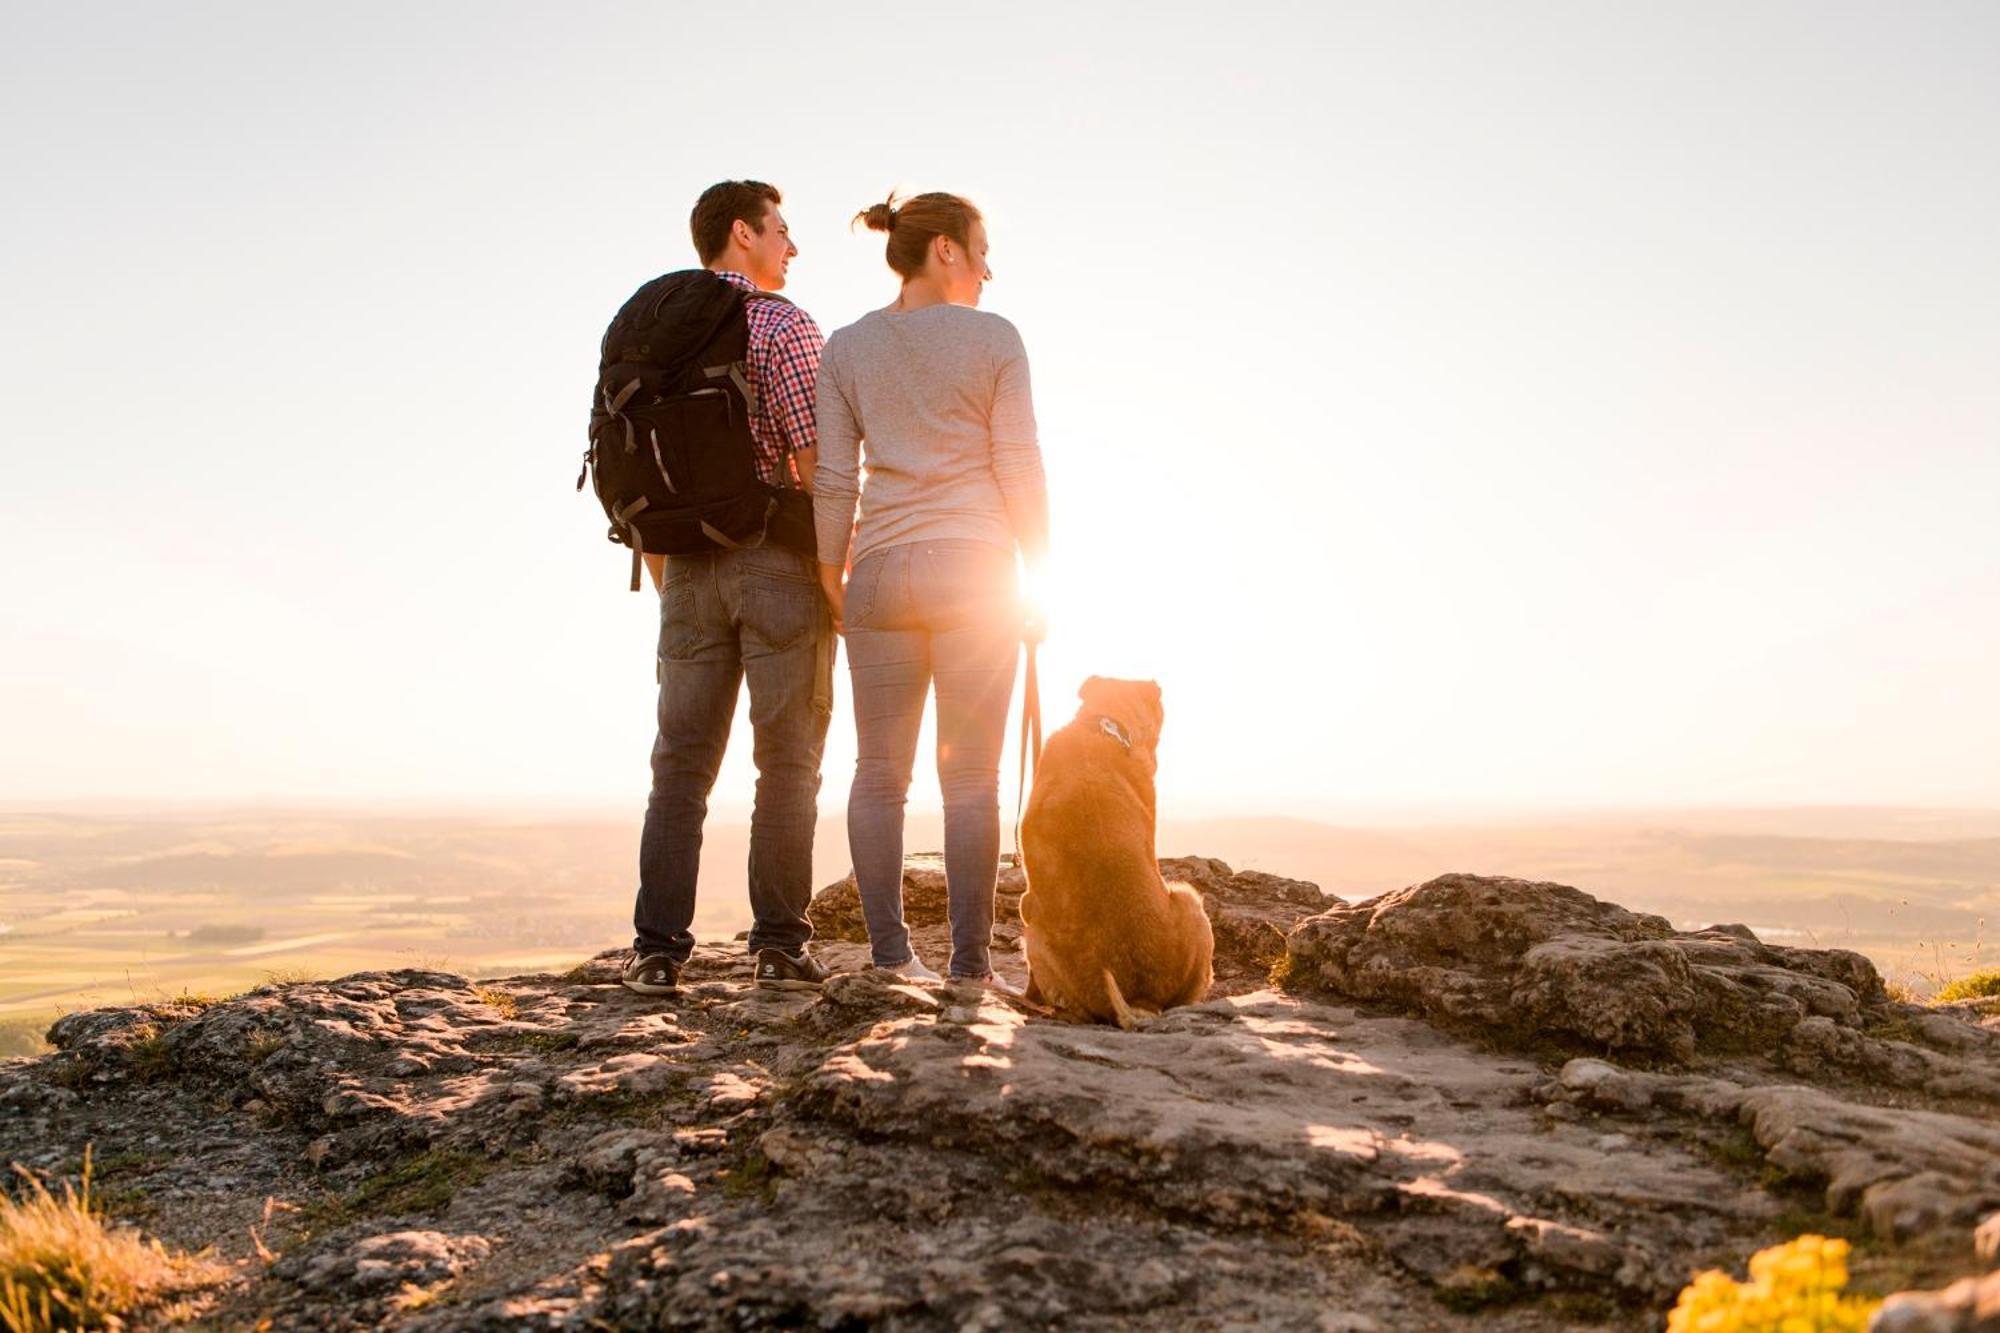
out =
column 879, row 217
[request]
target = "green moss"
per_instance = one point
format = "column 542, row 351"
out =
column 751, row 1177
column 1893, row 1028
column 548, row 1042
column 543, row 1042
column 1980, row 985
column 1469, row 1289
column 421, row 1184
column 1285, row 973
column 1589, row 1307
column 132, row 1162
column 1735, row 1149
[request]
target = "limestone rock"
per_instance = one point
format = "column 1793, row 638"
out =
column 835, row 911
column 389, row 1261
column 1905, row 1171
column 1251, row 912
column 1531, row 961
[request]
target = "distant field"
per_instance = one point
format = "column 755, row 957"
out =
column 1917, row 891
column 99, row 910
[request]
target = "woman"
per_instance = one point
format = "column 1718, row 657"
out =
column 931, row 395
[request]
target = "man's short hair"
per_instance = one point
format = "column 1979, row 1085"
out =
column 721, row 207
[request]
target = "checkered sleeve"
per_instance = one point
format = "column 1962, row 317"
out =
column 790, row 372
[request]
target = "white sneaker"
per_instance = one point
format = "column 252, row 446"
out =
column 914, row 969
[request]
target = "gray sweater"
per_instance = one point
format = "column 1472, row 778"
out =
column 940, row 396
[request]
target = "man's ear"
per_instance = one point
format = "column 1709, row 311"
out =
column 744, row 234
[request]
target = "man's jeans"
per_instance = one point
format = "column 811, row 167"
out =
column 946, row 611
column 754, row 615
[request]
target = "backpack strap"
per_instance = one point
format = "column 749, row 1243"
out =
column 624, row 525
column 738, row 375
column 614, row 408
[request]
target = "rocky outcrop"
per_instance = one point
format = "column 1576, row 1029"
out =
column 1404, row 1140
column 1540, row 965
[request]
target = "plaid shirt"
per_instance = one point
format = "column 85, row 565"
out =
column 784, row 366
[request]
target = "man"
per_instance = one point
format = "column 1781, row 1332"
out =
column 751, row 615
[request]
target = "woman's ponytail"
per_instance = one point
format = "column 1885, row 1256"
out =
column 915, row 222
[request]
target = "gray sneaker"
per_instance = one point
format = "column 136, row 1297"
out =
column 992, row 981
column 778, row 970
column 914, row 969
column 653, row 974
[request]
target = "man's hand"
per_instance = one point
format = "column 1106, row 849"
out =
column 656, row 565
column 836, row 595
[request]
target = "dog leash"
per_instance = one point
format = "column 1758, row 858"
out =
column 1031, row 742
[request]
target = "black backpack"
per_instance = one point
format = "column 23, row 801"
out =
column 671, row 455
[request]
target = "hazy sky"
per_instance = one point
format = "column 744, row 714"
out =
column 1481, row 405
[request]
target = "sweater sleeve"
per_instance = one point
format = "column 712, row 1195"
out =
column 836, row 487
column 1017, row 457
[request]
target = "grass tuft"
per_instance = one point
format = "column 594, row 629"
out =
column 499, row 1001
column 62, row 1268
column 151, row 1056
column 263, row 1044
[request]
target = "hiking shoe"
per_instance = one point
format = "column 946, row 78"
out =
column 912, row 967
column 653, row 974
column 778, row 970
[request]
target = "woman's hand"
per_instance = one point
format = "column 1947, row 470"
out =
column 1034, row 601
column 836, row 595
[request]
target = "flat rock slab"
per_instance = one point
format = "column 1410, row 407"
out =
column 1258, row 1108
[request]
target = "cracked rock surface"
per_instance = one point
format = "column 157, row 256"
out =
column 1477, row 1103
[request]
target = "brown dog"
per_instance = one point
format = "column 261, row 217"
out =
column 1108, row 940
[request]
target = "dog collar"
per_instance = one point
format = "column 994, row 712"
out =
column 1110, row 727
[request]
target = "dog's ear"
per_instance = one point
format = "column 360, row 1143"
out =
column 1149, row 698
column 1084, row 690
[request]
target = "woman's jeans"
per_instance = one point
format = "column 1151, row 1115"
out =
column 944, row 611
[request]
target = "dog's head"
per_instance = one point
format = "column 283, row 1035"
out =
column 1134, row 704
